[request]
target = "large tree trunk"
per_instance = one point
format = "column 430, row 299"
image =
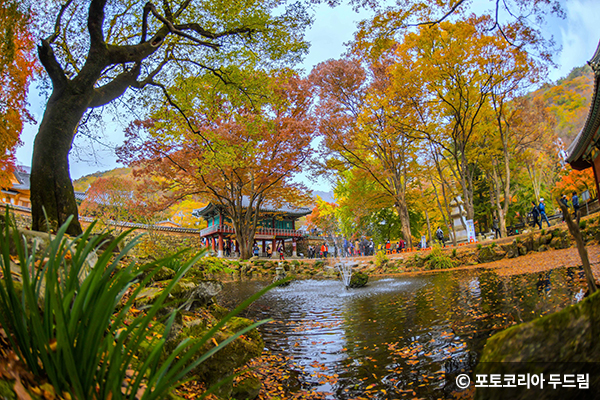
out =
column 51, row 186
column 402, row 211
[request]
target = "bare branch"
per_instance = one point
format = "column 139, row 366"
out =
column 52, row 38
column 176, row 31
column 441, row 19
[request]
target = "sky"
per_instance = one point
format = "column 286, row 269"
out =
column 578, row 35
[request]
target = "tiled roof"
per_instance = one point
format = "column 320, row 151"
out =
column 267, row 207
column 579, row 151
column 22, row 174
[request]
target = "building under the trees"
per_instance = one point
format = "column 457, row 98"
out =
column 275, row 225
column 584, row 152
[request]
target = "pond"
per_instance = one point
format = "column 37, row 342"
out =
column 396, row 337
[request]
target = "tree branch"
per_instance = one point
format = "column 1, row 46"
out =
column 52, row 38
column 115, row 88
column 51, row 65
column 95, row 22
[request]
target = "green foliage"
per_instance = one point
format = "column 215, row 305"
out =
column 493, row 245
column 436, row 259
column 319, row 264
column 68, row 324
column 479, row 246
column 582, row 224
column 213, row 265
column 381, row 259
column 454, row 252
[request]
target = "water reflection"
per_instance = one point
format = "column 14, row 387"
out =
column 393, row 338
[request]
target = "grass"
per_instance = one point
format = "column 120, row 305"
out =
column 71, row 321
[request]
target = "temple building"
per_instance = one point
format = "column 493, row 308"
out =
column 276, row 224
column 18, row 195
column 584, row 151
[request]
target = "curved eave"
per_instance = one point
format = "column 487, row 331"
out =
column 211, row 208
column 579, row 151
column 203, row 212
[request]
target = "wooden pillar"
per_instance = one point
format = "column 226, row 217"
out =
column 220, row 253
column 264, row 248
column 274, row 247
column 294, row 252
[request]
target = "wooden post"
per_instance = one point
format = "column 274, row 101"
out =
column 583, row 254
column 220, row 253
column 294, row 253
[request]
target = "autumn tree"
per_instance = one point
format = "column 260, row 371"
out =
column 114, row 200
column 238, row 154
column 17, row 67
column 324, row 218
column 96, row 50
column 365, row 129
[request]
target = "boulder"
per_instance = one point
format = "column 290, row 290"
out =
column 556, row 243
column 358, row 279
column 246, row 389
column 202, row 294
column 223, row 363
column 163, row 274
column 489, row 254
column 550, row 344
column 147, row 296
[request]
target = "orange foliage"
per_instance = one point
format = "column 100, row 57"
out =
column 17, row 65
column 576, row 181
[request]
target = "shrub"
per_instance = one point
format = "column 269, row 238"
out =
column 436, row 259
column 454, row 252
column 582, row 224
column 479, row 246
column 319, row 264
column 381, row 259
column 69, row 321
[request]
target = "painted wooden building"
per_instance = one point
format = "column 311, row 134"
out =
column 275, row 225
column 584, row 151
column 19, row 192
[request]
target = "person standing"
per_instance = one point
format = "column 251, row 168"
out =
column 281, row 249
column 495, row 228
column 565, row 202
column 439, row 233
column 535, row 213
column 575, row 203
column 542, row 210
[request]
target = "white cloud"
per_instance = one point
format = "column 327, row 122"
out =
column 579, row 35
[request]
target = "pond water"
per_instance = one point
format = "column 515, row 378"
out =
column 395, row 337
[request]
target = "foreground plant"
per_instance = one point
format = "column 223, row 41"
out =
column 71, row 323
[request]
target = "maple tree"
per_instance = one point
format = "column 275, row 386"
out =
column 239, row 155
column 17, row 67
column 365, row 129
column 97, row 50
column 575, row 181
column 116, row 199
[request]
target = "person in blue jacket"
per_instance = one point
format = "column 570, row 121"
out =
column 542, row 210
